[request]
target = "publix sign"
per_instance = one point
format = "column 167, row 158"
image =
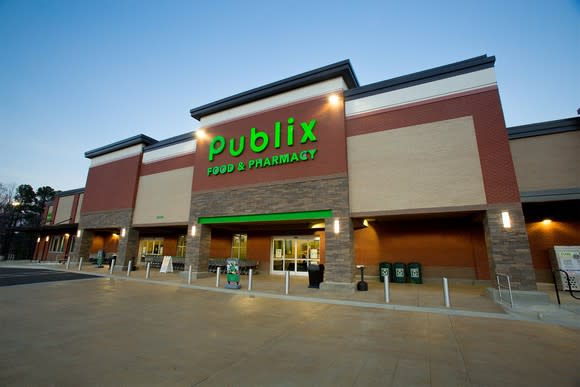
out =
column 259, row 141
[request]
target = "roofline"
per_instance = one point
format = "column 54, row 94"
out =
column 451, row 70
column 342, row 69
column 135, row 140
column 543, row 128
column 170, row 141
column 69, row 192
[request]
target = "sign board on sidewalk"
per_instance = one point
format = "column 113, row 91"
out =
column 167, row 265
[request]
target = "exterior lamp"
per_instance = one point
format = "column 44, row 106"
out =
column 193, row 229
column 38, row 240
column 334, row 99
column 47, row 238
column 123, row 232
column 505, row 219
column 336, row 226
column 78, row 233
column 200, row 134
column 547, row 222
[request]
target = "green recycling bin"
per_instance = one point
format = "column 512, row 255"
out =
column 415, row 274
column 400, row 272
column 386, row 269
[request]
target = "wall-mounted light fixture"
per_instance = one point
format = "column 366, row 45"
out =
column 333, row 99
column 123, row 232
column 79, row 233
column 38, row 240
column 336, row 226
column 200, row 134
column 47, row 238
column 547, row 222
column 193, row 229
column 365, row 223
column 505, row 219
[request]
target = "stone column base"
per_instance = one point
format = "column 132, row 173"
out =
column 342, row 287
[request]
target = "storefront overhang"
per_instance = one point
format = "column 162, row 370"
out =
column 277, row 217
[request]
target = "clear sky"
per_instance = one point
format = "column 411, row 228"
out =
column 77, row 75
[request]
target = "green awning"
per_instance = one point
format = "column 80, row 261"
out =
column 281, row 216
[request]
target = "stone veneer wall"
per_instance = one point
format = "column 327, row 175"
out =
column 508, row 248
column 117, row 219
column 322, row 194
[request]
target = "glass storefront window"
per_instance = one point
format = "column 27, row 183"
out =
column 240, row 246
column 181, row 241
column 152, row 246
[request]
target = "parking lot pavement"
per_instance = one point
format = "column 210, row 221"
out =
column 115, row 332
column 10, row 276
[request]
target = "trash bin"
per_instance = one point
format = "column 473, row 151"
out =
column 386, row 269
column 400, row 273
column 315, row 275
column 415, row 274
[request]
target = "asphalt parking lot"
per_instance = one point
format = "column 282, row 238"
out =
column 113, row 332
column 21, row 276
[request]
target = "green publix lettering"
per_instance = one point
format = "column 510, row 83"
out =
column 259, row 140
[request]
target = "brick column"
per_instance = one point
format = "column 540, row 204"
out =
column 197, row 251
column 128, row 248
column 83, row 246
column 339, row 268
column 508, row 249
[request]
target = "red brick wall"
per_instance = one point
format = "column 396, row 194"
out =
column 496, row 161
column 330, row 158
column 112, row 186
column 168, row 165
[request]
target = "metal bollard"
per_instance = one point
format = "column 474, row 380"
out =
column 129, row 268
column 112, row 266
column 80, row 263
column 148, row 270
column 387, row 296
column 189, row 276
column 217, row 277
column 250, row 274
column 446, row 292
column 67, row 262
column 287, row 285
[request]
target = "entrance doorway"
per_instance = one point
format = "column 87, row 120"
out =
column 294, row 253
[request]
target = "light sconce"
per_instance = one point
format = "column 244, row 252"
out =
column 79, row 233
column 193, row 229
column 333, row 99
column 47, row 238
column 123, row 232
column 200, row 134
column 505, row 219
column 365, row 223
column 336, row 226
column 38, row 240
column 547, row 222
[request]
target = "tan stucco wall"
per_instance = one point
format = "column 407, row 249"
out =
column 422, row 166
column 79, row 206
column 547, row 162
column 164, row 197
column 64, row 209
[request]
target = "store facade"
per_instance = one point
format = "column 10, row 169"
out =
column 318, row 169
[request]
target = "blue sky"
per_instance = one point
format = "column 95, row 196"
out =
column 77, row 75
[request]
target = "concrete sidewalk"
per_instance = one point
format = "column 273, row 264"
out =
column 118, row 332
column 466, row 298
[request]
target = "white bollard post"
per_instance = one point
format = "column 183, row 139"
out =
column 287, row 285
column 80, row 263
column 129, row 268
column 250, row 273
column 189, row 276
column 387, row 296
column 446, row 292
column 112, row 266
column 148, row 270
column 217, row 277
column 67, row 262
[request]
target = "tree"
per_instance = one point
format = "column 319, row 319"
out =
column 21, row 207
